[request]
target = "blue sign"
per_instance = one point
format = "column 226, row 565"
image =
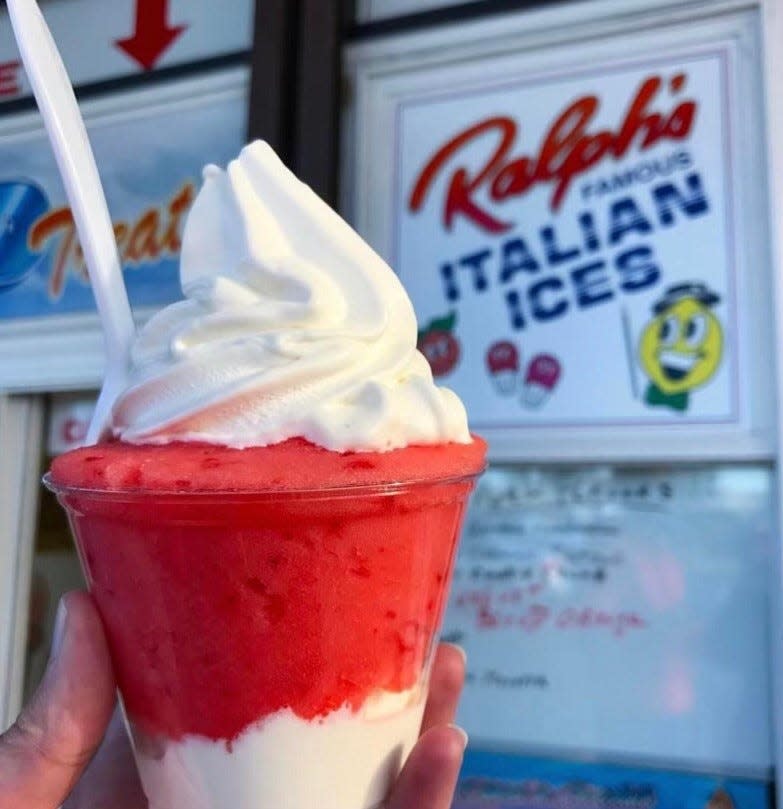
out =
column 505, row 781
column 150, row 160
column 21, row 204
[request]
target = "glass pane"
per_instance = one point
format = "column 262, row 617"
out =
column 617, row 615
column 56, row 567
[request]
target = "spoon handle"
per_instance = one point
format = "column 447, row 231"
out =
column 67, row 133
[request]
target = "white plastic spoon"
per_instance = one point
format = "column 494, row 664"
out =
column 76, row 162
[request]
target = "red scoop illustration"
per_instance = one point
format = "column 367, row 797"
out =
column 503, row 366
column 541, row 378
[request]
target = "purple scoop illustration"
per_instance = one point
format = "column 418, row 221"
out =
column 21, row 204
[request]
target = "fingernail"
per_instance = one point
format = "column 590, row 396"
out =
column 59, row 630
column 462, row 652
column 463, row 736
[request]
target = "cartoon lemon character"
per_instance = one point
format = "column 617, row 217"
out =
column 681, row 347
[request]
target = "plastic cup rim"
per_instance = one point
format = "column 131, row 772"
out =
column 388, row 488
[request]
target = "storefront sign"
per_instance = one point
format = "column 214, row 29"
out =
column 582, row 224
column 150, row 147
column 569, row 244
column 151, row 168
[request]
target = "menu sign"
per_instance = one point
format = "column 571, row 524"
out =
column 576, row 227
column 620, row 613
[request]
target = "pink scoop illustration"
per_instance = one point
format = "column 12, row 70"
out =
column 503, row 366
column 541, row 378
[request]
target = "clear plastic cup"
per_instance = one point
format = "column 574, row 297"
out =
column 271, row 649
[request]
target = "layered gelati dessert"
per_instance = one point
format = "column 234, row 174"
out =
column 269, row 525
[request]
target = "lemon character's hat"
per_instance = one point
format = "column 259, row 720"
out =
column 698, row 291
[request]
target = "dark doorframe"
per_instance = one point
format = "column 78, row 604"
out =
column 295, row 85
column 273, row 64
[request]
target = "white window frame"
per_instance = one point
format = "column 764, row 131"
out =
column 773, row 35
column 21, row 443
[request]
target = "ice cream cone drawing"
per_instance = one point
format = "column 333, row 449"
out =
column 541, row 378
column 503, row 366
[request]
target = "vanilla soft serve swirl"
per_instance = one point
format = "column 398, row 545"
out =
column 291, row 326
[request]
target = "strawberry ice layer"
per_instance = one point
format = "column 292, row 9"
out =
column 292, row 464
column 352, row 758
column 224, row 609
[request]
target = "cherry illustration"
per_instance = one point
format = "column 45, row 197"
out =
column 441, row 348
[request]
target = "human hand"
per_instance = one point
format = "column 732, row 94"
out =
column 69, row 744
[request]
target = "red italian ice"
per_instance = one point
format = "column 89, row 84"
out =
column 237, row 583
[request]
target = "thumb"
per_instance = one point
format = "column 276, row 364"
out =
column 45, row 751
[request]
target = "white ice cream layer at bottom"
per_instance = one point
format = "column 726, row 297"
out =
column 345, row 760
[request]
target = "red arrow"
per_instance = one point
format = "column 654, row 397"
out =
column 152, row 34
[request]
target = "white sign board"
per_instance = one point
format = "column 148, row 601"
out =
column 620, row 614
column 588, row 231
column 576, row 240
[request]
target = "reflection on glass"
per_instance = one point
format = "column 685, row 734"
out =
column 621, row 615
